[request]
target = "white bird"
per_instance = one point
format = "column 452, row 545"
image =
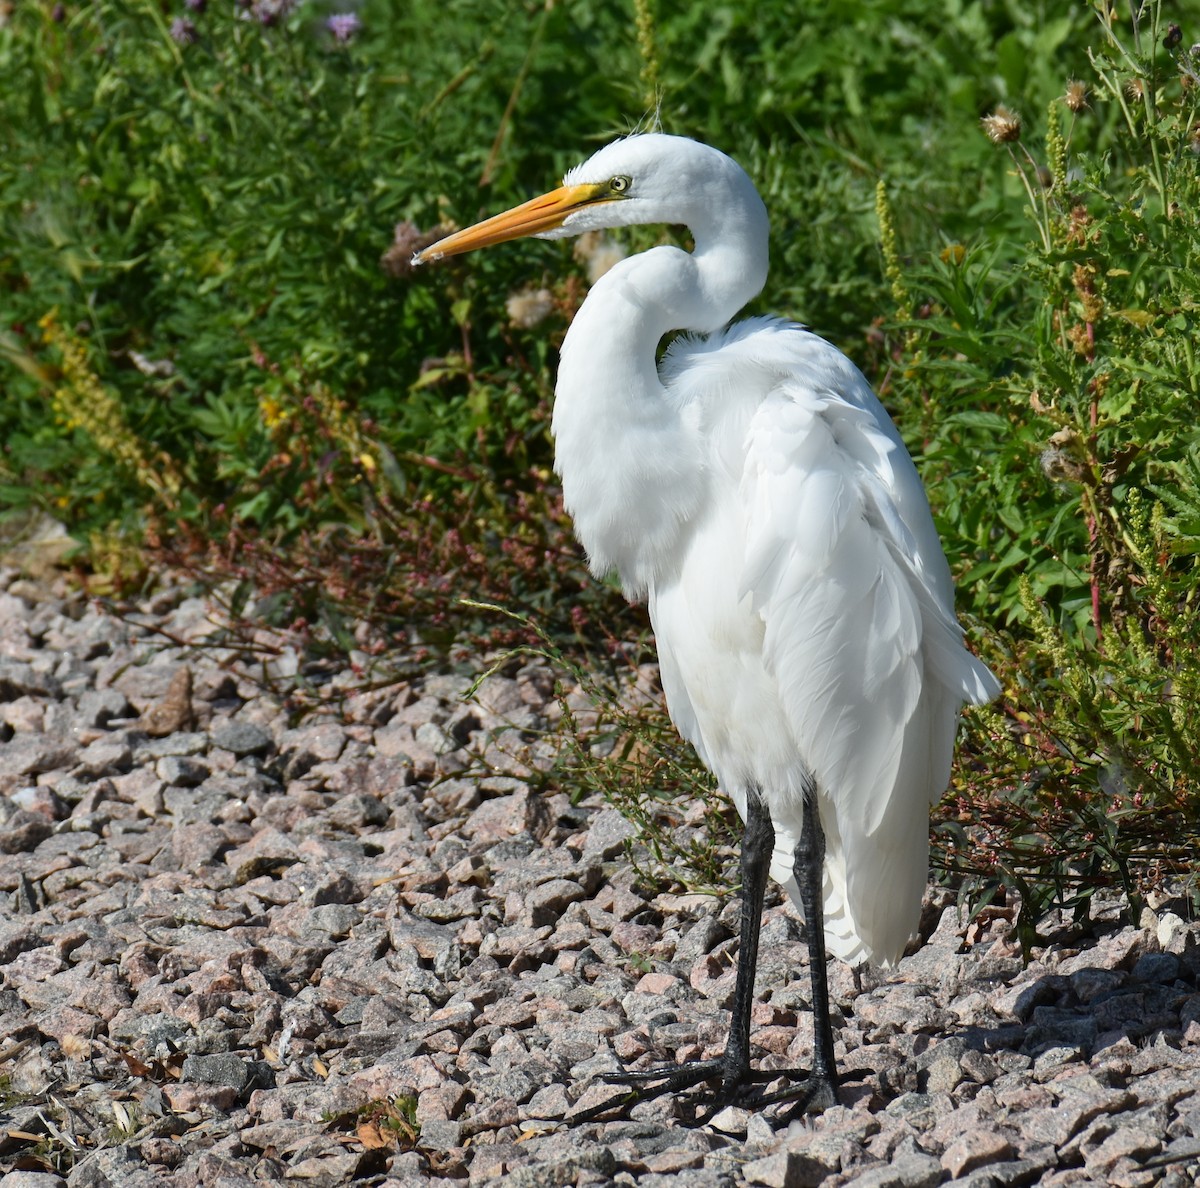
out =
column 750, row 486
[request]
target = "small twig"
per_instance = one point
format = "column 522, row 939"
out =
column 485, row 178
column 198, row 649
column 485, row 52
column 432, row 463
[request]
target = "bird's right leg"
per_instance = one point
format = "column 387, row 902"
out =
column 731, row 1069
column 758, row 844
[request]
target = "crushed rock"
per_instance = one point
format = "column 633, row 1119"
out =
column 381, row 946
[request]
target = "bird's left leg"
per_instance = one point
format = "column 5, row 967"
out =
column 731, row 1069
column 809, row 869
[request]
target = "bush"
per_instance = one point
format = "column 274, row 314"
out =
column 1056, row 396
column 211, row 343
column 196, row 201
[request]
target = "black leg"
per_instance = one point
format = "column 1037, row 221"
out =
column 738, row 1082
column 757, row 846
column 809, row 864
column 732, row 1069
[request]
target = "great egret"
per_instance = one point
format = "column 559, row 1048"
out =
column 752, row 488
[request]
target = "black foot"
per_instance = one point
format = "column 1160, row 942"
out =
column 743, row 1088
column 814, row 1095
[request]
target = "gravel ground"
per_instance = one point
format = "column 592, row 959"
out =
column 364, row 949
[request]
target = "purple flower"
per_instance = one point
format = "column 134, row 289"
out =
column 343, row 26
column 183, row 31
column 195, row 5
column 271, row 12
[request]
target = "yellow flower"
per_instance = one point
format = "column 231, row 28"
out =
column 81, row 401
column 273, row 413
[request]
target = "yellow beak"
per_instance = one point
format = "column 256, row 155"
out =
column 530, row 218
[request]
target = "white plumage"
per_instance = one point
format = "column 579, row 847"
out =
column 752, row 488
column 805, row 620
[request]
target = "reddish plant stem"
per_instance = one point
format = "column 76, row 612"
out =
column 1093, row 521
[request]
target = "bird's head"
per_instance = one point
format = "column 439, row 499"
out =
column 647, row 178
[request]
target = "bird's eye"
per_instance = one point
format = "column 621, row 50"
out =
column 619, row 184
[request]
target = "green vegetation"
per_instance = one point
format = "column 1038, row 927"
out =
column 213, row 352
column 1055, row 394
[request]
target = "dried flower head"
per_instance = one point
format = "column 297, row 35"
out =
column 343, row 26
column 1174, row 36
column 1077, row 95
column 1135, row 89
column 1059, row 467
column 1194, row 138
column 1003, row 126
column 1083, row 342
column 1066, row 439
column 407, row 240
column 183, row 31
column 1083, row 278
column 1079, row 225
column 529, row 307
column 598, row 252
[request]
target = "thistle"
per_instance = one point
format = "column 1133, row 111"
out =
column 343, row 26
column 1003, row 126
column 183, row 32
column 1076, row 97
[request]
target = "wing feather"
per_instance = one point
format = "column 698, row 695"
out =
column 858, row 655
column 861, row 637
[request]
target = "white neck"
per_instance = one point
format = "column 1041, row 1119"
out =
column 620, row 441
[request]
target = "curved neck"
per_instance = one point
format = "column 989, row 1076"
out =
column 701, row 290
column 730, row 257
column 620, row 442
column 628, row 311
